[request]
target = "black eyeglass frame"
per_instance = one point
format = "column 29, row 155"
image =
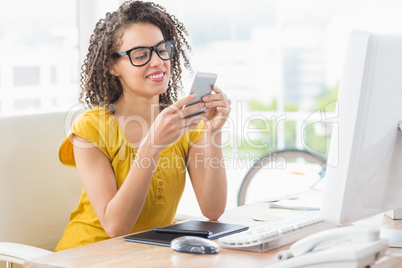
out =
column 153, row 48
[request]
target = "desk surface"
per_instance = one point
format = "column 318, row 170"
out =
column 118, row 253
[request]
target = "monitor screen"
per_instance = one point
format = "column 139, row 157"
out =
column 364, row 171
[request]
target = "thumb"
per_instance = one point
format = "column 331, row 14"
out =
column 178, row 105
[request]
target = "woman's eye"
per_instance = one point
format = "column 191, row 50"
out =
column 143, row 56
column 139, row 54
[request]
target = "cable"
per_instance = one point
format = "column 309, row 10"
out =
column 283, row 255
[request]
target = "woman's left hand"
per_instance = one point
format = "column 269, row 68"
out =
column 217, row 109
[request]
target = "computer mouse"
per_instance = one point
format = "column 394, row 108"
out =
column 194, row 244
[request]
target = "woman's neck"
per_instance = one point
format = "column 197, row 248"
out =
column 145, row 108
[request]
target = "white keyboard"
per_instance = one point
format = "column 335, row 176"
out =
column 271, row 235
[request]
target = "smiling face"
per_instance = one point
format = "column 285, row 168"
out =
column 149, row 80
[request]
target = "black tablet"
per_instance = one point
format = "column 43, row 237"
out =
column 163, row 236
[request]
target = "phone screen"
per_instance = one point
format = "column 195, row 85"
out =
column 202, row 86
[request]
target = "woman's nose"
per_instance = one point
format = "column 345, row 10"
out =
column 155, row 59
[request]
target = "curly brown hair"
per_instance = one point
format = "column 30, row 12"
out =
column 99, row 87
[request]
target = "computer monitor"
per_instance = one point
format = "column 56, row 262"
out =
column 364, row 172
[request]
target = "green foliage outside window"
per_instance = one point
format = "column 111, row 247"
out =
column 259, row 144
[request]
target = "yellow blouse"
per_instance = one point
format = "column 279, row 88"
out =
column 101, row 128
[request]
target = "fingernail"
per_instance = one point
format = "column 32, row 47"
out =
column 206, row 98
column 193, row 96
column 219, row 108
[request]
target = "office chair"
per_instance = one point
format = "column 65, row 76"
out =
column 37, row 193
column 263, row 174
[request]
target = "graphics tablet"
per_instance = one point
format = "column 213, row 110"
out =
column 163, row 236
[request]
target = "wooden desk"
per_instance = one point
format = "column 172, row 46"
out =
column 118, row 253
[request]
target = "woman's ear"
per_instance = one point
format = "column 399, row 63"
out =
column 112, row 68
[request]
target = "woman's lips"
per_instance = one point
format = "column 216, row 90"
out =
column 156, row 76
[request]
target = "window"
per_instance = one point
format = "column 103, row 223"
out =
column 280, row 63
column 39, row 68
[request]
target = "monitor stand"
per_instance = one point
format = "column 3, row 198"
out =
column 395, row 214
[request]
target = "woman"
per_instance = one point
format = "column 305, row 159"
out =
column 133, row 145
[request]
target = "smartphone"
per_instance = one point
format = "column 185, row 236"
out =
column 202, row 86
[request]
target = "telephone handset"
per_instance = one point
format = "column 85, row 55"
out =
column 350, row 246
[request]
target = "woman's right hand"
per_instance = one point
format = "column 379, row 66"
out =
column 170, row 124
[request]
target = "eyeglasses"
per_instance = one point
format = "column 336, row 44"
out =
column 139, row 56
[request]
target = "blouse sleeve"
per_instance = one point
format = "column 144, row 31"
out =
column 196, row 133
column 93, row 128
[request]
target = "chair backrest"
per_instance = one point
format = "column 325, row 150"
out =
column 37, row 193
